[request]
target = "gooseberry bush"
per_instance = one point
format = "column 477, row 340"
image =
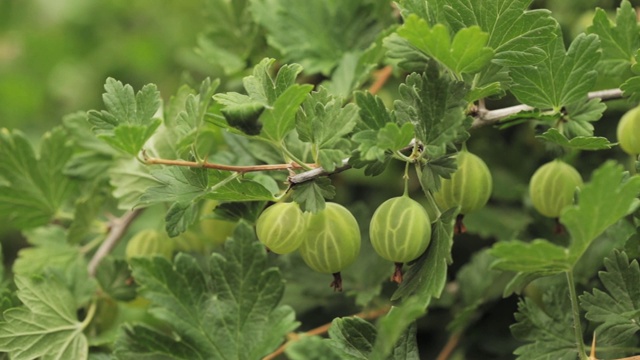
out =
column 344, row 139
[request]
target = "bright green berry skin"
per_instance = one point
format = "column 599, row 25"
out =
column 149, row 243
column 281, row 227
column 400, row 229
column 552, row 187
column 469, row 187
column 332, row 240
column 628, row 131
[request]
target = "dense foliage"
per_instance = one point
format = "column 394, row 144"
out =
column 357, row 136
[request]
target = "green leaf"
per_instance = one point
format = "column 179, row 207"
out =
column 618, row 309
column 513, row 45
column 229, row 311
column 579, row 142
column 176, row 184
column 128, row 122
column 115, row 279
column 548, row 330
column 46, row 325
column 51, row 254
column 85, row 215
column 311, row 195
column 579, row 116
column 394, row 325
column 434, row 104
column 323, row 123
column 601, row 203
column 427, row 275
column 280, row 120
column 324, row 30
column 352, row 337
column 225, row 186
column 374, row 115
column 270, row 107
column 34, row 187
column 130, row 179
column 466, row 53
column 619, row 41
column 431, row 173
column 180, row 216
column 562, row 78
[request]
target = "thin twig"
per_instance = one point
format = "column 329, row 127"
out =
column 448, row 348
column 118, row 228
column 236, row 168
column 490, row 117
column 293, row 337
column 381, row 76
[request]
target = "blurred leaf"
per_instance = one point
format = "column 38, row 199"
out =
column 86, row 212
column 228, row 311
column 130, row 179
column 311, row 195
column 579, row 142
column 434, row 104
column 325, row 30
column 562, row 78
column 466, row 53
column 548, row 330
column 478, row 284
column 52, row 255
column 617, row 309
column 503, row 223
column 311, row 348
column 427, row 275
column 539, row 256
column 230, row 36
column 128, row 122
column 34, row 187
column 115, row 279
column 45, row 326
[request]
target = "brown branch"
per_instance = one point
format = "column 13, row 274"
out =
column 236, row 168
column 448, row 348
column 381, row 76
column 293, row 337
column 117, row 229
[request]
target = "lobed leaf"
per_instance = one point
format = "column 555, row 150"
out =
column 45, row 326
column 228, row 311
column 35, row 187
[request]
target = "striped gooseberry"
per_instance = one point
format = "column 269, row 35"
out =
column 281, row 227
column 400, row 231
column 552, row 187
column 331, row 241
column 628, row 131
column 469, row 187
column 149, row 243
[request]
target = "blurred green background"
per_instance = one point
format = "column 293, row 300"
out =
column 56, row 55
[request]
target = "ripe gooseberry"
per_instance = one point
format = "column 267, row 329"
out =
column 628, row 131
column 552, row 187
column 469, row 187
column 331, row 241
column 281, row 227
column 400, row 231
